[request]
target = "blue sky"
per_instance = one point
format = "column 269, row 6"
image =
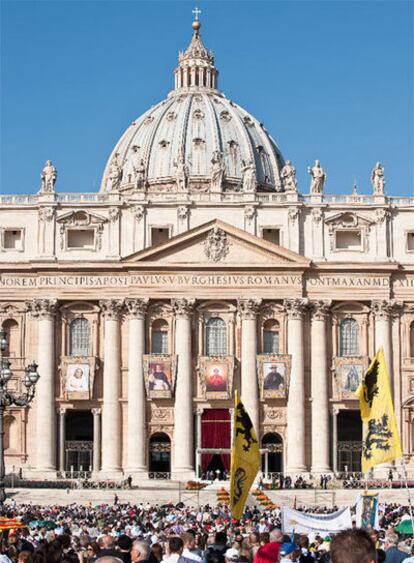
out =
column 331, row 80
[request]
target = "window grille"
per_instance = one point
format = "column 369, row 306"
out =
column 79, row 337
column 271, row 337
column 159, row 337
column 348, row 338
column 216, row 337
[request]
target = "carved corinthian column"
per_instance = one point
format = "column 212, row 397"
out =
column 383, row 311
column 137, row 309
column 44, row 311
column 320, row 400
column 248, row 309
column 183, row 411
column 296, row 427
column 111, row 412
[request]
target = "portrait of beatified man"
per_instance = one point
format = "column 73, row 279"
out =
column 159, row 377
column 216, row 377
column 77, row 377
column 274, row 376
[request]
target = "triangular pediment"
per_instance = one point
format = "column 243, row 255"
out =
column 348, row 219
column 218, row 243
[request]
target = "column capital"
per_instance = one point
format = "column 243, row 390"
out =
column 62, row 411
column 296, row 307
column 320, row 309
column 248, row 307
column 383, row 309
column 111, row 308
column 199, row 411
column 183, row 307
column 96, row 412
column 42, row 308
column 136, row 308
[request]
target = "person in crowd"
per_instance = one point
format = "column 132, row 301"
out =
column 174, row 549
column 140, row 551
column 353, row 546
column 392, row 553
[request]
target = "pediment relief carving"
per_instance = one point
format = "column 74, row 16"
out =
column 217, row 242
column 81, row 219
column 348, row 220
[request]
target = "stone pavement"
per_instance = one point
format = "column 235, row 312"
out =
column 161, row 493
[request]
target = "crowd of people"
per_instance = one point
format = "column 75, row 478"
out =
column 169, row 533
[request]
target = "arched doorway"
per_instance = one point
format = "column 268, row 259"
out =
column 349, row 441
column 215, row 435
column 160, row 453
column 78, row 440
column 274, row 444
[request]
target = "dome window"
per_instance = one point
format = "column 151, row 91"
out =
column 171, row 116
column 164, row 144
column 225, row 115
column 198, row 114
column 248, row 121
column 198, row 142
column 148, row 120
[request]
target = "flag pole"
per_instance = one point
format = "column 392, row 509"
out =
column 410, row 506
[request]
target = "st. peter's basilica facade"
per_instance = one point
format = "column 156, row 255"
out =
column 197, row 269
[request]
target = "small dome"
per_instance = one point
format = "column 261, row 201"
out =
column 195, row 140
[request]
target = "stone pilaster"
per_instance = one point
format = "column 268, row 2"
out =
column 199, row 414
column 296, row 427
column 44, row 311
column 183, row 411
column 96, row 462
column 319, row 387
column 62, row 436
column 136, row 309
column 248, row 309
column 111, row 415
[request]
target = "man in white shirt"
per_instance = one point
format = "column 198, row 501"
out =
column 189, row 547
column 174, row 550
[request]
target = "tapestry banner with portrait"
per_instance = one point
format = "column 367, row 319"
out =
column 274, row 375
column 216, row 376
column 160, row 375
column 77, row 377
column 348, row 375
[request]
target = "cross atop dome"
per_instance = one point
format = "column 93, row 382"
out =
column 196, row 68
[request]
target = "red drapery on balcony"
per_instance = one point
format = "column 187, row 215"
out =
column 215, row 433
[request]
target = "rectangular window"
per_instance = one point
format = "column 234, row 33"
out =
column 348, row 240
column 159, row 342
column 159, row 235
column 13, row 239
column 270, row 342
column 271, row 235
column 410, row 242
column 81, row 238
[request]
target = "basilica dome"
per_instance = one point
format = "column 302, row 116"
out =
column 195, row 140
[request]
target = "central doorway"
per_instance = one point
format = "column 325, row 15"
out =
column 273, row 443
column 78, row 441
column 159, row 455
column 349, row 441
column 215, row 434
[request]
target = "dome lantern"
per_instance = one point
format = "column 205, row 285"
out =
column 196, row 65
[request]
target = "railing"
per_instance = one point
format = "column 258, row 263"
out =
column 266, row 197
column 159, row 475
column 74, row 474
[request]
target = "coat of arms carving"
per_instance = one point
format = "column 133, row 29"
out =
column 216, row 245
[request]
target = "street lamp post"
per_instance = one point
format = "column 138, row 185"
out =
column 8, row 398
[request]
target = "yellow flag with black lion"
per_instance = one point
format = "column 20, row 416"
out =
column 380, row 440
column 245, row 459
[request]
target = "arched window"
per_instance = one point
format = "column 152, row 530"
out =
column 412, row 340
column 13, row 338
column 159, row 337
column 79, row 337
column 216, row 337
column 271, row 337
column 348, row 338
